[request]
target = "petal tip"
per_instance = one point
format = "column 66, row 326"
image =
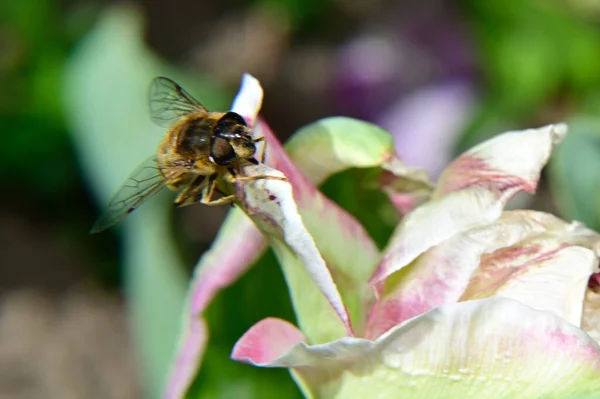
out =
column 249, row 99
column 266, row 341
column 559, row 131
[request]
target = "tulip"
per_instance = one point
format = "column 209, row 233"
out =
column 468, row 300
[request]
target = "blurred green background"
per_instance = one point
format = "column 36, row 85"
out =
column 98, row 316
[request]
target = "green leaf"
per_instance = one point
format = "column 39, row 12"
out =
column 106, row 85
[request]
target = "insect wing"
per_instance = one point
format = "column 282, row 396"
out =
column 169, row 102
column 142, row 184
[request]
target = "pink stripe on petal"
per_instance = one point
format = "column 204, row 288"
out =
column 329, row 224
column 220, row 266
column 594, row 282
column 468, row 171
column 441, row 275
column 188, row 359
column 434, row 222
column 561, row 341
column 545, row 274
column 266, row 341
column 472, row 191
column 271, row 205
column 590, row 322
column 510, row 162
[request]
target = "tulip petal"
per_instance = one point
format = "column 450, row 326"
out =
column 508, row 163
column 266, row 341
column 529, row 256
column 544, row 273
column 330, row 141
column 187, row 361
column 359, row 144
column 350, row 253
column 334, row 144
column 271, row 205
column 440, row 275
column 220, row 265
column 434, row 222
column 454, row 351
column 472, row 192
column 331, row 227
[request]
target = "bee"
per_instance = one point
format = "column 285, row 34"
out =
column 199, row 146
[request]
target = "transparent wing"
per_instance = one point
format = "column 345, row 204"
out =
column 142, row 184
column 169, row 102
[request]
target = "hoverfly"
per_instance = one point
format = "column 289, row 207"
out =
column 199, row 146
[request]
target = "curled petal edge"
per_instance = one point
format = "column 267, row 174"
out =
column 532, row 340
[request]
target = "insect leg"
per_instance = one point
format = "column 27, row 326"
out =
column 263, row 151
column 208, row 191
column 235, row 175
column 258, row 177
column 192, row 193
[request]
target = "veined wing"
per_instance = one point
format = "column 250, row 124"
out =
column 142, row 184
column 169, row 102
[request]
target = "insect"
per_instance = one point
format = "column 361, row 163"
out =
column 199, row 146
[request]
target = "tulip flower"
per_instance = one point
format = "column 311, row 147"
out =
column 468, row 300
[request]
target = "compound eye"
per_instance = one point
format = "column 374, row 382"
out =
column 233, row 119
column 222, row 152
column 229, row 125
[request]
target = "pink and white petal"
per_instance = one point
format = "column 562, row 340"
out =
column 407, row 187
column 590, row 322
column 271, row 205
column 266, row 341
column 350, row 253
column 509, row 163
column 219, row 267
column 440, row 275
column 188, row 358
column 405, row 203
column 545, row 273
column 434, row 222
column 249, row 99
column 472, row 191
column 492, row 348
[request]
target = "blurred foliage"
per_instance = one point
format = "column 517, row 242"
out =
column 534, row 55
column 106, row 83
column 37, row 155
column 297, row 12
column 34, row 41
